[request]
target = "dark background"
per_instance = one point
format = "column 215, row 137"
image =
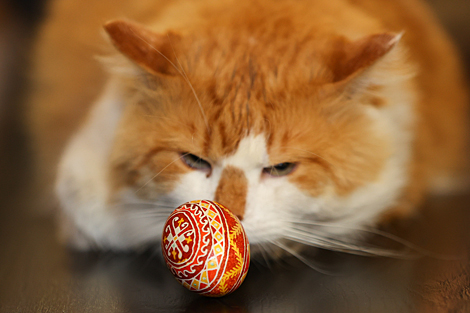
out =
column 39, row 275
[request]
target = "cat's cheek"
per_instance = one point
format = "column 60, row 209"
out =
column 311, row 179
column 150, row 180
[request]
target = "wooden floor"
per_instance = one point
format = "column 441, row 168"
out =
column 37, row 274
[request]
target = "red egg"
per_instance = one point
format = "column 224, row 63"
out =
column 206, row 248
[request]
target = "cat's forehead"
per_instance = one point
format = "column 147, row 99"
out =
column 256, row 66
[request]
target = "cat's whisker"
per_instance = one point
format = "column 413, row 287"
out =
column 349, row 242
column 181, row 72
column 374, row 231
column 312, row 239
column 186, row 78
column 156, row 175
column 264, row 249
column 156, row 50
column 154, row 216
column 273, row 255
column 265, row 259
column 162, row 218
column 265, row 254
column 149, row 214
column 136, row 204
column 141, row 207
column 296, row 255
column 325, row 241
column 155, row 212
column 304, row 260
column 151, row 206
column 143, row 210
column 322, row 245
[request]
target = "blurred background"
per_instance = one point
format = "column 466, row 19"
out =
column 37, row 275
column 19, row 20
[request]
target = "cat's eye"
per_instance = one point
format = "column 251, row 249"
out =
column 281, row 169
column 195, row 162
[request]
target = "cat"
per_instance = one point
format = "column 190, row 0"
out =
column 313, row 121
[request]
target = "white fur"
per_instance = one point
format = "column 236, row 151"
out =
column 394, row 122
column 81, row 185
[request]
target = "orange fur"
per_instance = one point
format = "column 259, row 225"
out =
column 291, row 70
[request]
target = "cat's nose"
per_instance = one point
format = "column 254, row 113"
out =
column 232, row 189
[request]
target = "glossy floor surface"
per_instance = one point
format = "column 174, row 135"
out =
column 37, row 274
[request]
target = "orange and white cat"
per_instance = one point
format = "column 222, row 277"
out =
column 311, row 120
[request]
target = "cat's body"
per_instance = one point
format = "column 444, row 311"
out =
column 314, row 118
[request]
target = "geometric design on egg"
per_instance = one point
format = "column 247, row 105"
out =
column 206, row 248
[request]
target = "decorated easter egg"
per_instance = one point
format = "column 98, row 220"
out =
column 206, row 248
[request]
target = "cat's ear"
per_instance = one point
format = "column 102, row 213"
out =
column 350, row 59
column 151, row 51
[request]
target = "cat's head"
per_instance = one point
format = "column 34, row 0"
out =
column 302, row 133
